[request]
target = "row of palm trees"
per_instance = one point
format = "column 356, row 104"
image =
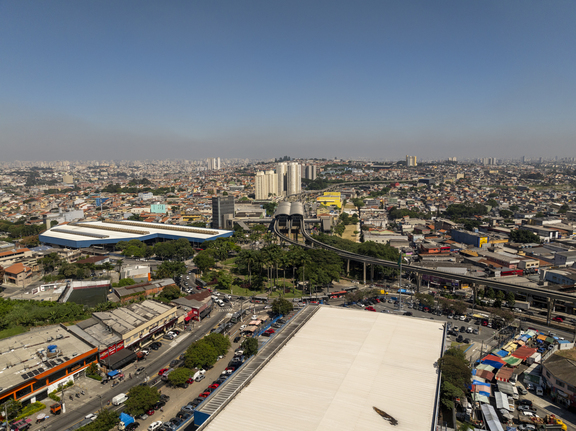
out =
column 273, row 259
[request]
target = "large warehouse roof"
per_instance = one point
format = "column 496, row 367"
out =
column 86, row 234
column 336, row 369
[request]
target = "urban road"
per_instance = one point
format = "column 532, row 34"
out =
column 156, row 360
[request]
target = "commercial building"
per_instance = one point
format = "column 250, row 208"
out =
column 335, row 371
column 471, row 238
column 559, row 374
column 110, row 232
column 132, row 326
column 330, row 198
column 127, row 293
column 222, row 211
column 37, row 362
column 194, row 307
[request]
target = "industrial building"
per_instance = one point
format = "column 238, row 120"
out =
column 333, row 373
column 110, row 232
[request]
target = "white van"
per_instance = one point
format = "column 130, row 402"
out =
column 539, row 390
column 119, row 399
column 198, row 373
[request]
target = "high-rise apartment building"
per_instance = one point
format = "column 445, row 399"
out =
column 281, row 173
column 213, row 164
column 310, row 172
column 294, row 180
column 411, row 161
column 222, row 210
column 266, row 184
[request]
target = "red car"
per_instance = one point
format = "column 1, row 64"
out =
column 162, row 371
column 377, row 299
column 190, row 381
column 484, row 323
column 370, row 309
column 204, row 395
column 558, row 319
column 231, row 370
column 213, row 386
column 150, row 412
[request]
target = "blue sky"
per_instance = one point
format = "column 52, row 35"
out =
column 194, row 79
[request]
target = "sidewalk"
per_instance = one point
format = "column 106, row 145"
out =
column 98, row 394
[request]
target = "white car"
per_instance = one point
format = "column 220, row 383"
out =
column 91, row 416
column 155, row 425
column 254, row 317
column 243, row 327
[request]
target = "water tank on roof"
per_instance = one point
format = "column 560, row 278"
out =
column 52, row 348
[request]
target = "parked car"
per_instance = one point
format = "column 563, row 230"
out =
column 558, row 319
column 155, row 426
column 155, row 345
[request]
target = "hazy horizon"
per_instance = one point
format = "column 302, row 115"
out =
column 371, row 79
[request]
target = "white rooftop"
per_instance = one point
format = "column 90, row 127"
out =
column 336, row 369
column 127, row 230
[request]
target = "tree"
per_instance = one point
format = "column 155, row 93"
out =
column 506, row 213
column 119, row 264
column 13, row 408
column 180, row 376
column 200, row 355
column 50, row 262
column 489, row 293
column 140, row 399
column 250, row 346
column 224, row 279
column 358, row 203
column 425, row 299
column 492, row 203
column 220, row 342
column 524, row 236
column 456, row 375
column 204, row 261
column 169, row 293
column 510, row 299
column 169, row 269
column 281, row 306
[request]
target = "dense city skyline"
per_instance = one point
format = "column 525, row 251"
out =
column 377, row 80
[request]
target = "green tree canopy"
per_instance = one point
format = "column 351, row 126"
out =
column 220, row 342
column 204, row 261
column 200, row 355
column 425, row 299
column 169, row 293
column 180, row 376
column 281, row 306
column 524, row 236
column 250, row 346
column 140, row 399
column 169, row 269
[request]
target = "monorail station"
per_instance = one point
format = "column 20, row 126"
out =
column 110, row 232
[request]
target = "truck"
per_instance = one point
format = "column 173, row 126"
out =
column 522, row 305
column 119, row 399
column 125, row 420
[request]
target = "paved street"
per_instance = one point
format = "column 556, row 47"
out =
column 96, row 392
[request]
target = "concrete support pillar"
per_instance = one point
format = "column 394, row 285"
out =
column 418, row 282
column 372, row 273
column 348, row 267
column 551, row 303
column 364, row 272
